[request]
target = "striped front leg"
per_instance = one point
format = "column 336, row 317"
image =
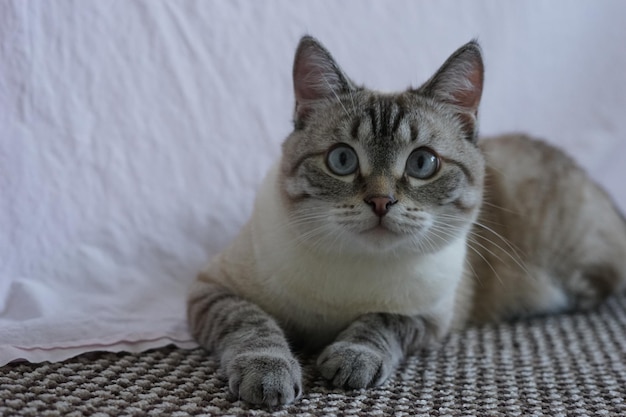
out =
column 253, row 351
column 366, row 352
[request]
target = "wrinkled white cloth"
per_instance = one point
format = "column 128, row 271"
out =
column 133, row 135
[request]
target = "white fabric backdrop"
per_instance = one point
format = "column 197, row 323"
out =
column 133, row 134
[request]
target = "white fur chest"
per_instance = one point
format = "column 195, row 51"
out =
column 324, row 294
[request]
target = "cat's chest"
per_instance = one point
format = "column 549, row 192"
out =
column 320, row 294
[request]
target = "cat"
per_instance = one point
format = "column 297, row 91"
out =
column 387, row 223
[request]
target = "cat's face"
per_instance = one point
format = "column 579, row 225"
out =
column 368, row 172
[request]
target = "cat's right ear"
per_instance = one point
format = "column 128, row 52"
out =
column 316, row 76
column 459, row 82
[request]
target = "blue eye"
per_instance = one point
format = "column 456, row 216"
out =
column 342, row 160
column 422, row 163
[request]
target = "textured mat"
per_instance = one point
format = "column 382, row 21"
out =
column 556, row 366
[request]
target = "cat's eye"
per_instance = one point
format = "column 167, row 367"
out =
column 342, row 160
column 422, row 163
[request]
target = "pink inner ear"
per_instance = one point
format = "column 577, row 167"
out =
column 315, row 75
column 305, row 86
column 307, row 73
column 470, row 97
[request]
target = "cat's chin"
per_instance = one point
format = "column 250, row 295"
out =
column 380, row 239
column 378, row 231
column 383, row 239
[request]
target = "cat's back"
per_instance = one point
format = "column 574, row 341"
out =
column 548, row 238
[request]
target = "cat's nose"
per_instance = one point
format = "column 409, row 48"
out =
column 380, row 204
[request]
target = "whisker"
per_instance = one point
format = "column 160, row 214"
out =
column 436, row 229
column 352, row 100
column 518, row 263
column 474, row 274
column 486, row 203
column 336, row 96
column 508, row 243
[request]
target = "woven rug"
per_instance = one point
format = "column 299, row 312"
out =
column 554, row 366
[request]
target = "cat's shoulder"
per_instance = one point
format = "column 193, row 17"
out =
column 519, row 143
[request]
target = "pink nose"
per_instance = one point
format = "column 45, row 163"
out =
column 380, row 204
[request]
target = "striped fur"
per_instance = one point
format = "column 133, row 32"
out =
column 379, row 261
column 254, row 352
column 372, row 345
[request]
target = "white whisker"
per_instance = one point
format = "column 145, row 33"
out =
column 438, row 229
column 486, row 203
column 336, row 96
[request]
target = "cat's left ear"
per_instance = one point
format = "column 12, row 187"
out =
column 459, row 82
column 316, row 76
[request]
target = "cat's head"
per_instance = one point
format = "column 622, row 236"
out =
column 366, row 172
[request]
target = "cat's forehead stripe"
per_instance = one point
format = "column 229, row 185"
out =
column 385, row 115
column 371, row 112
column 398, row 118
column 414, row 131
column 354, row 130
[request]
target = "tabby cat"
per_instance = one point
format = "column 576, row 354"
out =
column 386, row 224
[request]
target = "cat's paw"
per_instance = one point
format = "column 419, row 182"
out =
column 263, row 379
column 351, row 365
